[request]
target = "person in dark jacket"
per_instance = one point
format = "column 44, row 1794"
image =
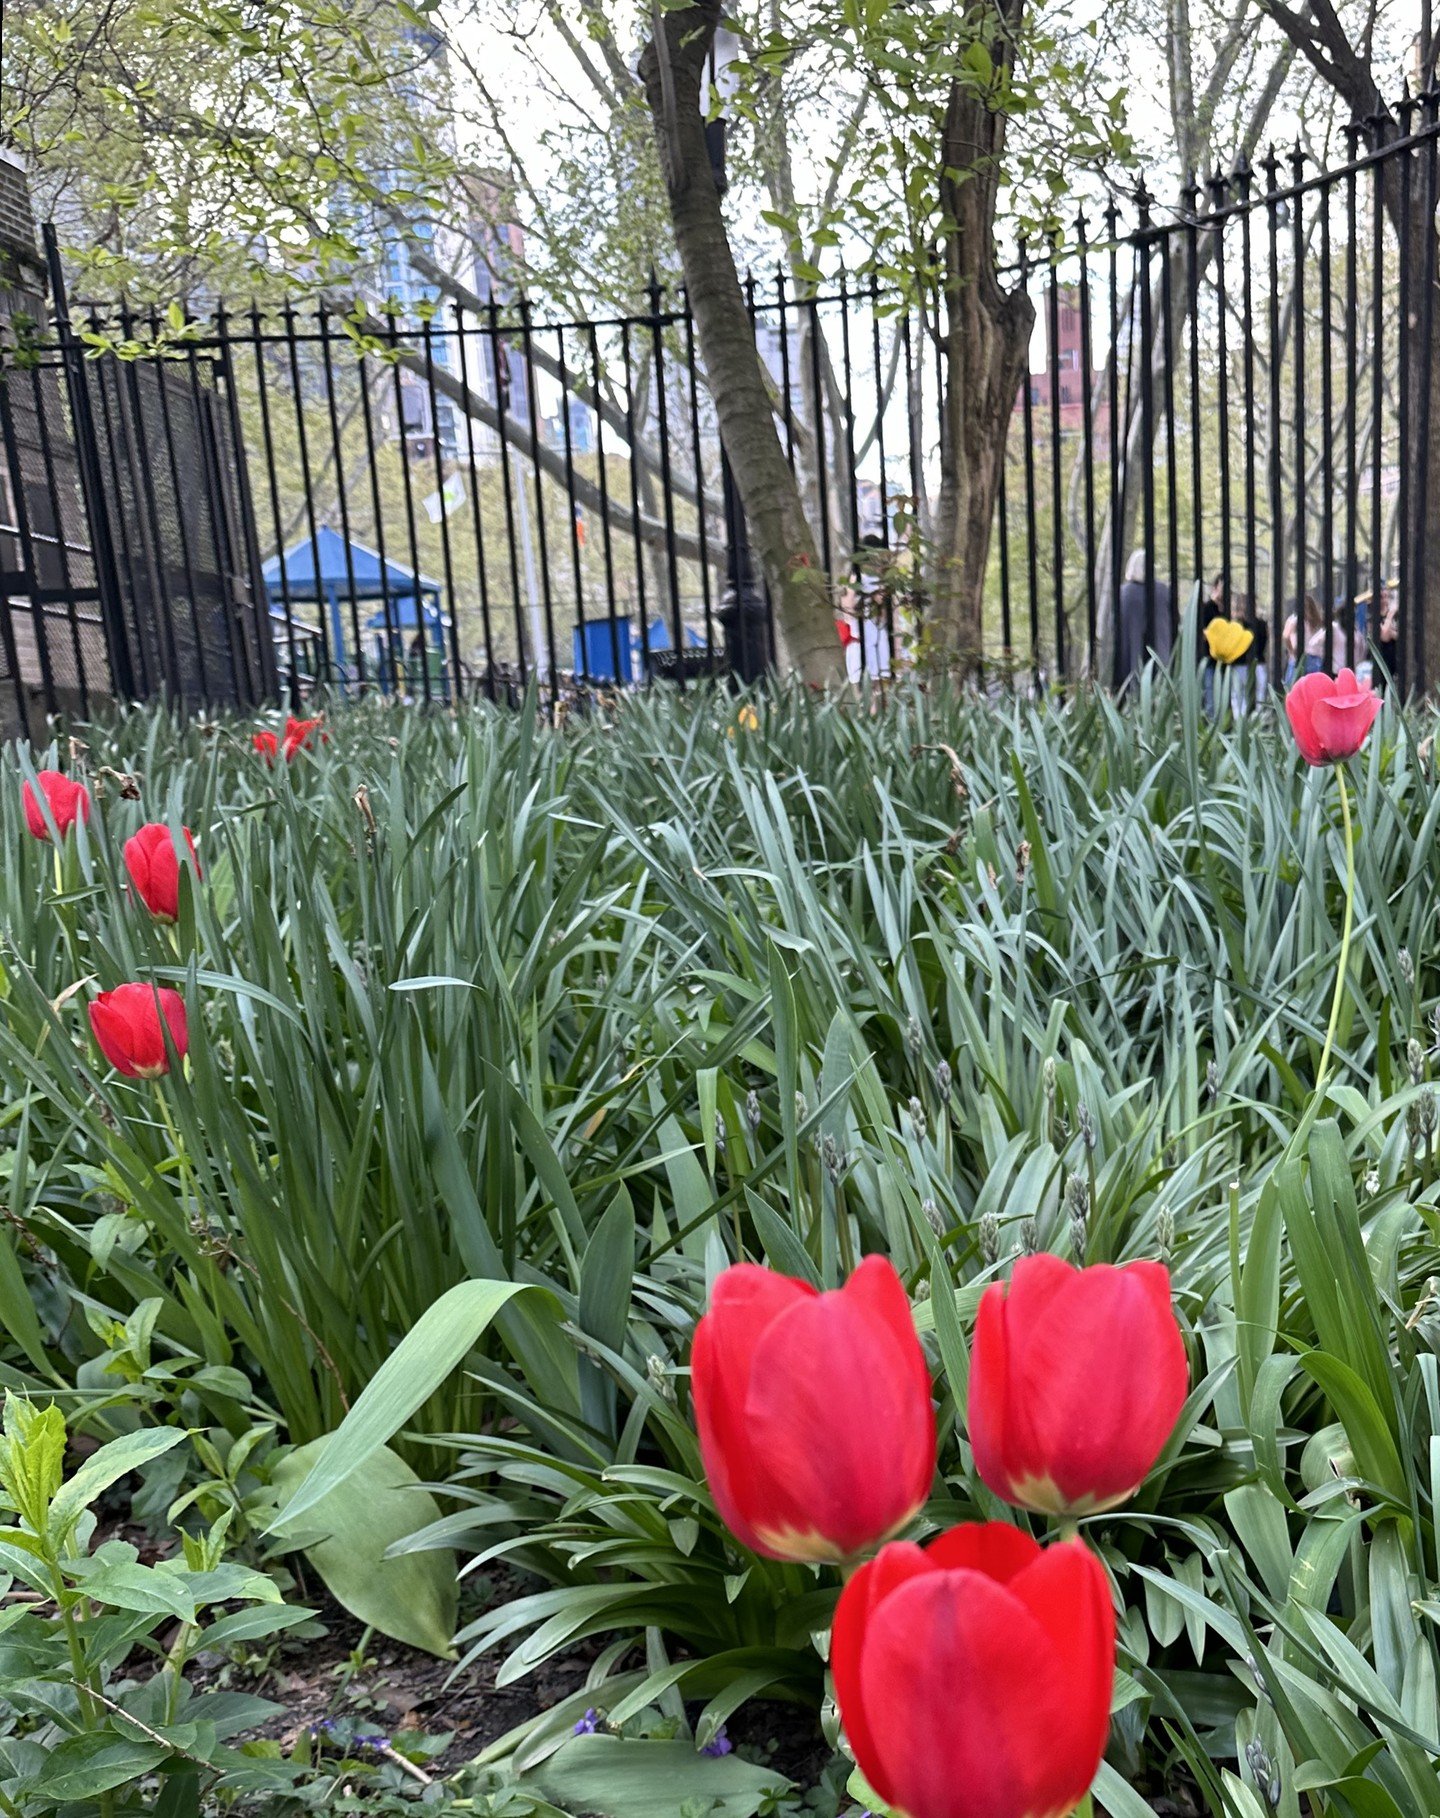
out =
column 1143, row 628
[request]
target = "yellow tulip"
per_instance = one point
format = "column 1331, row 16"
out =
column 748, row 718
column 1228, row 641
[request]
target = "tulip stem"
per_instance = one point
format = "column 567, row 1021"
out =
column 1342, row 970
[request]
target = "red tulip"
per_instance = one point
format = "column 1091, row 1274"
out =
column 300, row 734
column 154, row 868
column 974, row 1676
column 813, row 1410
column 1331, row 716
column 267, row 745
column 1077, row 1380
column 69, row 802
column 129, row 1025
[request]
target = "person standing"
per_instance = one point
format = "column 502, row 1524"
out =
column 1143, row 627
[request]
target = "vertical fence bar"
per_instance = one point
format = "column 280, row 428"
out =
column 1377, row 375
column 393, row 648
column 572, row 506
column 412, row 530
column 307, row 481
column 500, row 366
column 656, row 297
column 1352, row 311
column 1117, row 430
column 1088, row 432
column 1402, row 329
column 322, row 318
column 87, row 456
column 1167, row 404
column 1057, row 522
column 848, row 400
column 630, row 439
column 142, row 468
column 1274, row 428
column 287, row 604
column 606, row 534
column 1327, row 403
column 1031, row 553
column 1190, row 202
column 1217, row 187
column 1147, row 405
column 1297, row 315
column 1427, row 342
column 785, row 386
column 187, row 564
column 62, row 541
column 476, row 513
column 697, row 455
column 447, row 558
column 542, row 540
column 1245, row 189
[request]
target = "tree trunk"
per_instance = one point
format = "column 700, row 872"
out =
column 670, row 69
column 984, row 346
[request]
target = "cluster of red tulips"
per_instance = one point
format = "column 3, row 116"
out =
column 137, row 1027
column 973, row 1675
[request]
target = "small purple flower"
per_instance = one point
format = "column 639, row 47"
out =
column 719, row 1743
column 589, row 1723
column 372, row 1742
column 322, row 1726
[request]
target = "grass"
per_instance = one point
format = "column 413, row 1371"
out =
column 599, row 1009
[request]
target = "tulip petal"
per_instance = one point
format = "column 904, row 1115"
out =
column 995, row 1548
column 964, row 1701
column 871, row 1585
column 842, row 1433
column 745, row 1301
column 1065, row 1589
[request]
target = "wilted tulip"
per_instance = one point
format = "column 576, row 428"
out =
column 974, row 1676
column 1077, row 1379
column 813, row 1410
column 154, row 867
column 129, row 1025
column 69, row 802
column 1331, row 716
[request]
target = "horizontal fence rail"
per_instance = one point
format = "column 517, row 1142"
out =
column 1228, row 400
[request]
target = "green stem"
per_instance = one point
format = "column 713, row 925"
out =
column 1342, row 970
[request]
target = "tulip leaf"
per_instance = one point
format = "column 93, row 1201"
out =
column 617, row 1777
column 413, row 1371
column 348, row 1533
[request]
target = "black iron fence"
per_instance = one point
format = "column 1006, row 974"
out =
column 445, row 495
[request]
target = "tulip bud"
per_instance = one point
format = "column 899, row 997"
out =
column 1077, row 1379
column 154, row 868
column 974, row 1677
column 67, row 801
column 813, row 1410
column 130, row 1025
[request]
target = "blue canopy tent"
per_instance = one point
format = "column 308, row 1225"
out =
column 334, row 577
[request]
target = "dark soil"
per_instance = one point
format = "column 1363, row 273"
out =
column 394, row 1687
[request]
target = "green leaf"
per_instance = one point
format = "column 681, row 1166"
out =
column 107, row 1466
column 83, row 1767
column 619, row 1778
column 418, row 1365
column 411, row 1598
